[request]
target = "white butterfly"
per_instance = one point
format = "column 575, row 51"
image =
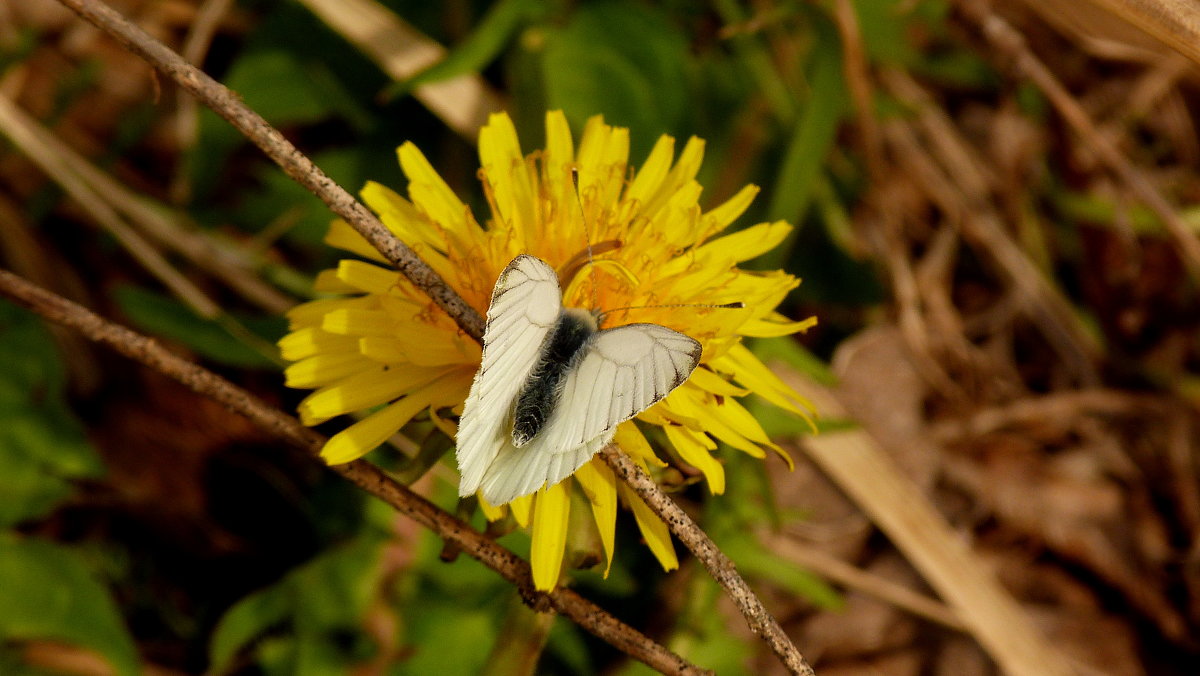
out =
column 552, row 389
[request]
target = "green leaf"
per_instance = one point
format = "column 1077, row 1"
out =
column 788, row 350
column 756, row 562
column 286, row 90
column 49, row 594
column 279, row 197
column 162, row 316
column 436, row 649
column 311, row 605
column 29, row 491
column 884, row 27
column 42, row 445
column 480, row 48
column 811, row 140
column 624, row 60
column 518, row 648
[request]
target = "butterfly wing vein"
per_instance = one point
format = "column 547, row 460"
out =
column 525, row 305
column 619, row 373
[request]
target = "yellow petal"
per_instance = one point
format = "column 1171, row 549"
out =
column 738, row 418
column 748, row 371
column 600, row 487
column 362, row 276
column 721, row 217
column 771, row 328
column 560, row 150
column 351, row 322
column 684, row 172
column 344, row 237
column 491, row 512
column 602, row 158
column 650, row 176
column 327, row 282
column 550, row 516
column 429, row 192
column 364, row 390
column 400, row 216
column 693, row 447
column 694, row 402
column 363, row 436
column 324, row 369
column 420, row 349
column 309, row 342
column 313, row 312
column 522, row 508
column 511, row 179
column 749, row 243
column 654, row 531
column 631, row 440
column 711, row 382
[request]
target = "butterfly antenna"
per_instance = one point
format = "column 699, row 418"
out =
column 736, row 305
column 587, row 237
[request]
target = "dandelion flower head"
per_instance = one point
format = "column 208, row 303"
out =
column 378, row 344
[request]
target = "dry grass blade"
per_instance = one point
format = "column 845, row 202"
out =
column 840, row 572
column 150, row 220
column 1010, row 42
column 463, row 102
column 1175, row 22
column 857, row 463
column 16, row 126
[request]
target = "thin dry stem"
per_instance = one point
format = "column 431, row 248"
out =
column 719, row 566
column 370, row 478
column 295, row 164
column 17, row 128
column 187, row 116
column 105, row 198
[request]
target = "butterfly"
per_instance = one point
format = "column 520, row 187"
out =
column 552, row 387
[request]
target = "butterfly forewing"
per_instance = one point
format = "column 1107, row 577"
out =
column 525, row 306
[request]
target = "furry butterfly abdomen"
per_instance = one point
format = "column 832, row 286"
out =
column 551, row 388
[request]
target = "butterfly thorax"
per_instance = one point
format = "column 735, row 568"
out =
column 543, row 387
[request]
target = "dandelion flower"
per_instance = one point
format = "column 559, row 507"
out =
column 378, row 344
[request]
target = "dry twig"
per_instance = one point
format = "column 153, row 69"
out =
column 715, row 562
column 370, row 478
column 294, row 163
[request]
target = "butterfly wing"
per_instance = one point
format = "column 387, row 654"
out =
column 622, row 372
column 525, row 306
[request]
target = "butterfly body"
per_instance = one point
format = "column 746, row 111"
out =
column 552, row 387
column 565, row 346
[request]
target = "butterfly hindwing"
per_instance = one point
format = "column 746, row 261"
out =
column 525, row 306
column 620, row 373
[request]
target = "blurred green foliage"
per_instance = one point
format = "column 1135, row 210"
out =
column 767, row 94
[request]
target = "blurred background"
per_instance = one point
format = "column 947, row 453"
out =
column 997, row 226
